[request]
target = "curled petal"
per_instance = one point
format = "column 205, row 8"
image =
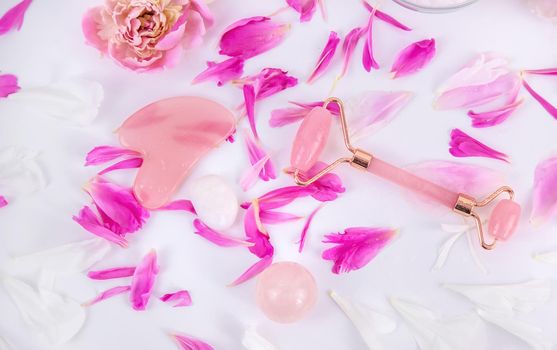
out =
column 252, row 36
column 217, row 238
column 386, row 17
column 222, row 72
column 116, row 272
column 303, row 235
column 544, row 201
column 271, row 81
column 186, row 342
column 3, row 201
column 356, row 247
column 413, row 58
column 306, row 8
column 494, row 116
column 261, row 246
column 181, row 205
column 179, row 299
column 348, row 46
column 368, row 60
column 109, row 293
column 8, row 85
column 102, row 154
column 143, row 280
column 255, row 154
column 13, row 19
column 90, row 222
column 551, row 109
column 132, row 163
column 325, row 57
column 463, row 145
column 253, row 270
column 252, row 174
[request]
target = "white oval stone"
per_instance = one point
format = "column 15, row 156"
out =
column 214, row 200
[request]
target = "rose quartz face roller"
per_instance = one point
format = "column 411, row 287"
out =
column 312, row 137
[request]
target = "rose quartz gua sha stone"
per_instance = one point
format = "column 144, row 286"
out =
column 172, row 135
column 286, row 292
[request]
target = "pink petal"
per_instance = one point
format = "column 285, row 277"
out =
column 325, row 58
column 252, row 174
column 544, row 201
column 180, row 298
column 109, row 293
column 253, row 270
column 349, row 45
column 174, row 35
column 89, row 221
column 306, row 8
column 3, row 201
column 91, row 25
column 103, row 154
column 271, row 217
column 280, row 197
column 326, row 188
column 303, row 235
column 493, row 117
column 545, row 71
column 367, row 59
column 413, row 58
column 8, row 85
column 249, row 102
column 385, row 17
column 201, row 7
column 356, row 247
column 252, row 36
column 285, row 116
column 117, row 272
column 222, row 72
column 217, row 238
column 181, row 205
column 261, row 246
column 185, row 342
column 143, row 280
column 13, row 19
column 542, row 101
column 131, row 163
column 255, row 154
column 271, row 81
column 463, row 145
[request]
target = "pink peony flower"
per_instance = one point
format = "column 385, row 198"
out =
column 145, row 35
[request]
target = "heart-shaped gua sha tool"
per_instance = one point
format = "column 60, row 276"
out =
column 311, row 139
column 172, row 135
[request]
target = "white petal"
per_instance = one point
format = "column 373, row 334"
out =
column 55, row 319
column 547, row 257
column 367, row 321
column 433, row 333
column 472, row 246
column 506, row 298
column 525, row 331
column 455, row 228
column 5, row 345
column 444, row 251
column 19, row 171
column 76, row 101
column 253, row 341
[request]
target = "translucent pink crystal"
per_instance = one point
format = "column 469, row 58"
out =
column 504, row 219
column 311, row 139
column 172, row 135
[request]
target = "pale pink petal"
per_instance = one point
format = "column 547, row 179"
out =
column 218, row 238
column 143, row 280
column 413, row 58
column 325, row 57
column 89, row 221
column 356, row 247
column 349, row 45
column 249, row 102
column 285, row 116
column 13, row 19
column 255, row 154
column 180, row 205
column 8, row 85
column 463, row 145
column 272, row 217
column 179, row 299
column 194, row 30
column 306, row 8
column 222, row 72
column 103, row 154
column 386, row 17
column 261, row 246
column 544, row 201
column 368, row 60
column 253, row 270
column 545, row 71
column 131, row 163
column 493, row 117
column 91, row 26
column 551, row 109
column 109, row 293
column 174, row 35
column 252, row 174
column 116, row 272
column 3, row 201
column 201, row 7
column 303, row 235
column 252, row 36
column 186, row 342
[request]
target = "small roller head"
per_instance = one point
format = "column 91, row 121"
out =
column 504, row 219
column 311, row 139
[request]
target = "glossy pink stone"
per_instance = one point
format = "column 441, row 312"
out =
column 172, row 135
column 504, row 219
column 286, row 292
column 311, row 139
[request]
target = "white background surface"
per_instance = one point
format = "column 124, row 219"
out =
column 51, row 46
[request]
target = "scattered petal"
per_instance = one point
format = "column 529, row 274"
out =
column 222, row 72
column 306, row 228
column 253, row 341
column 13, row 19
column 547, row 257
column 8, row 85
column 103, row 154
column 551, row 109
column 253, row 271
column 3, row 201
column 368, row 60
column 186, row 342
column 218, row 238
column 356, row 247
column 109, row 293
column 5, row 344
column 132, row 163
column 327, row 187
column 249, row 102
column 493, row 117
column 285, row 116
column 256, row 234
column 348, row 46
column 325, row 57
column 463, row 145
column 270, row 81
column 252, row 174
column 386, row 17
column 445, row 249
column 280, row 197
column 545, row 71
column 90, row 222
column 179, row 299
column 544, row 201
column 143, row 280
column 306, row 8
column 116, row 272
column 20, row 173
column 255, row 154
column 413, row 58
column 276, row 217
column 181, row 205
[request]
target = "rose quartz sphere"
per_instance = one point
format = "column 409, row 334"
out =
column 286, row 292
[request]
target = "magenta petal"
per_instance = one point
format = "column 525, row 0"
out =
column 280, row 197
column 222, row 72
column 261, row 246
column 89, row 221
column 109, row 293
column 368, row 60
column 253, row 173
column 3, row 201
column 542, row 101
column 544, row 201
column 8, row 85
column 181, row 205
column 255, row 154
column 13, row 19
column 463, row 145
column 272, row 217
column 116, row 272
column 326, row 188
column 179, row 299
column 303, row 235
column 356, row 247
column 143, row 280
column 493, row 117
column 325, row 57
column 413, row 58
column 217, row 238
column 545, row 71
column 252, row 36
column 253, row 270
column 386, row 17
column 185, row 342
column 348, row 46
column 306, row 8
column 284, row 116
column 103, row 154
column 249, row 102
column 271, row 81
column 131, row 163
